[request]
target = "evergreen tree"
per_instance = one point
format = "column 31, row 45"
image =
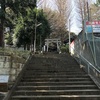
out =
column 2, row 19
column 21, row 16
column 17, row 7
column 98, row 2
column 24, row 30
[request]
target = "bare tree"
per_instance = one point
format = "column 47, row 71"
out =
column 64, row 8
column 87, row 11
column 58, row 16
column 55, row 24
column 81, row 9
column 95, row 12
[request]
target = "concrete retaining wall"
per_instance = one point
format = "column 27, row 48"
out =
column 11, row 65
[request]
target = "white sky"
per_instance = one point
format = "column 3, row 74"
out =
column 77, row 26
column 74, row 24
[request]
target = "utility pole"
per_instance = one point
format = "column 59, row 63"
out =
column 35, row 32
column 69, row 36
column 36, row 25
column 35, row 37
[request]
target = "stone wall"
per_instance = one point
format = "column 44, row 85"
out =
column 11, row 65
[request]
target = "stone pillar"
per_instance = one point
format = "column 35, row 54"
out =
column 47, row 45
column 57, row 46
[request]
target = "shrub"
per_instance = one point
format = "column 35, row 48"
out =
column 64, row 48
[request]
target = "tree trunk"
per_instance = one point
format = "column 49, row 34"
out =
column 2, row 19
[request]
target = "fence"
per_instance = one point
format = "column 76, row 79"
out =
column 86, row 49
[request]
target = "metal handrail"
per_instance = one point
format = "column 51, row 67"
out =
column 90, row 64
column 87, row 61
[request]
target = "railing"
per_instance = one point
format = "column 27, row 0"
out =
column 92, row 71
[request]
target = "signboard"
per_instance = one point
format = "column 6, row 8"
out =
column 93, row 27
column 4, row 78
column 72, row 49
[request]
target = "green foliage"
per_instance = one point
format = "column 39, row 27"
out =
column 20, row 31
column 19, row 6
column 21, row 16
column 10, row 11
column 8, row 39
column 25, row 27
column 98, row 2
column 15, row 52
column 43, row 30
column 64, row 48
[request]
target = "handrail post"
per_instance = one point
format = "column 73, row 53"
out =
column 88, row 69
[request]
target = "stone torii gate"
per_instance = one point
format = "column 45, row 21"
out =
column 48, row 41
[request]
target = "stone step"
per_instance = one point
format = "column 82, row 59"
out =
column 55, row 72
column 54, row 79
column 46, row 65
column 55, row 76
column 57, row 87
column 52, row 68
column 56, row 83
column 57, row 92
column 57, row 97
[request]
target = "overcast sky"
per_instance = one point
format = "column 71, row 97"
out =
column 74, row 25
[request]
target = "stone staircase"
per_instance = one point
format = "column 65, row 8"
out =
column 55, row 77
